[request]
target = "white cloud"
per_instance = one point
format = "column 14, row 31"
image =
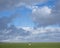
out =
column 41, row 16
column 45, row 16
column 31, row 2
column 45, row 30
column 27, row 28
column 39, row 34
column 43, row 11
column 9, row 4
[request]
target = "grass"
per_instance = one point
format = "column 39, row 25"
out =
column 33, row 45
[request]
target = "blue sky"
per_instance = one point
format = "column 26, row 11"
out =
column 24, row 19
column 33, row 19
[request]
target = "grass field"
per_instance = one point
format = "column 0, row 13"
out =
column 33, row 45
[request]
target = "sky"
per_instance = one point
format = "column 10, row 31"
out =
column 29, row 20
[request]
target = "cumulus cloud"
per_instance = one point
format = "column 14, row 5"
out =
column 15, row 34
column 45, row 34
column 4, row 21
column 46, row 16
column 10, row 32
column 41, row 16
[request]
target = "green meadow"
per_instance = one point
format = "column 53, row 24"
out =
column 33, row 45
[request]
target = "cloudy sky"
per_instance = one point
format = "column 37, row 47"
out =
column 29, row 20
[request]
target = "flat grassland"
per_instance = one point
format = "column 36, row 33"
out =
column 32, row 45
